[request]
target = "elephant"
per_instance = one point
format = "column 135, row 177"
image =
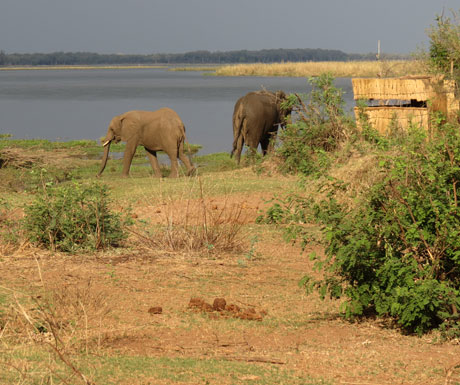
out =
column 256, row 117
column 155, row 130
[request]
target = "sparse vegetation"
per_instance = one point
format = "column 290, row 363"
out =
column 195, row 226
column 74, row 337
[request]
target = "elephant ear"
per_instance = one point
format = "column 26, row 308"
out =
column 115, row 126
column 117, row 123
column 281, row 96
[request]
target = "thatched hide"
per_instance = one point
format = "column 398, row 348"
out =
column 383, row 119
column 419, row 97
column 394, row 88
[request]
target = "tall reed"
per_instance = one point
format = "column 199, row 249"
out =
column 336, row 69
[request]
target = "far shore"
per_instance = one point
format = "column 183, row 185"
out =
column 391, row 68
column 79, row 67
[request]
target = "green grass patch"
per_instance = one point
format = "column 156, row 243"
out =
column 45, row 144
column 220, row 161
column 194, row 371
column 144, row 370
column 85, row 146
column 241, row 181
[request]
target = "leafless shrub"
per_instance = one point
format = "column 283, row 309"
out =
column 196, row 226
column 15, row 158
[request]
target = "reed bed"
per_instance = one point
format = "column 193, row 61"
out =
column 393, row 68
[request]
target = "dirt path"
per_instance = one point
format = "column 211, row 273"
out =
column 295, row 332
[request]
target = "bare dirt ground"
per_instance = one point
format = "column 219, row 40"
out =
column 287, row 328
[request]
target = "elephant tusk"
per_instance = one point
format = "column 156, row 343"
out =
column 106, row 143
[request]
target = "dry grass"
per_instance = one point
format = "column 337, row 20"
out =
column 337, row 69
column 130, row 345
column 56, row 321
column 195, row 225
column 56, row 327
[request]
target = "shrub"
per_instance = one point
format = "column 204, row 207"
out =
column 397, row 252
column 74, row 217
column 444, row 51
column 320, row 128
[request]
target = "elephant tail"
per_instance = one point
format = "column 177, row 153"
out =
column 181, row 141
column 184, row 153
column 238, row 120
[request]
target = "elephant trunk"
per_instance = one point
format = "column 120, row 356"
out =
column 104, row 157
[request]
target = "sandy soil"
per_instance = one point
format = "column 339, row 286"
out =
column 126, row 289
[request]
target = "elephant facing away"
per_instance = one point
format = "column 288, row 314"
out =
column 161, row 130
column 255, row 120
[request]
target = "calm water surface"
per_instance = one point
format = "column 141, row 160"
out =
column 79, row 104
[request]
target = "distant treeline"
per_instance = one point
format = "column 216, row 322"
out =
column 195, row 57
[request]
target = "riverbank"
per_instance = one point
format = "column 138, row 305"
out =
column 143, row 313
column 393, row 68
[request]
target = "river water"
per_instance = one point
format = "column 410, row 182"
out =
column 79, row 104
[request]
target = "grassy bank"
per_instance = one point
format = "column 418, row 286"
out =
column 90, row 317
column 26, row 164
column 292, row 69
column 336, row 69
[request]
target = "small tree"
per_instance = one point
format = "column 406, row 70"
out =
column 444, row 50
column 321, row 127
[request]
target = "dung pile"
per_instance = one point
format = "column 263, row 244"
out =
column 221, row 310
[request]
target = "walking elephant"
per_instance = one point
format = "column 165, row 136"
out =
column 255, row 120
column 160, row 130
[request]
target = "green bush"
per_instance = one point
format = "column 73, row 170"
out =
column 444, row 51
column 396, row 253
column 321, row 127
column 74, row 217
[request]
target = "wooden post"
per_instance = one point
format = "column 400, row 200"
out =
column 378, row 59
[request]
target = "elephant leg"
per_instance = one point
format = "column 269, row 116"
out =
column 264, row 144
column 253, row 144
column 186, row 161
column 174, row 164
column 128, row 158
column 239, row 148
column 152, row 155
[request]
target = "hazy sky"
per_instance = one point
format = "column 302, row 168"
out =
column 171, row 26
